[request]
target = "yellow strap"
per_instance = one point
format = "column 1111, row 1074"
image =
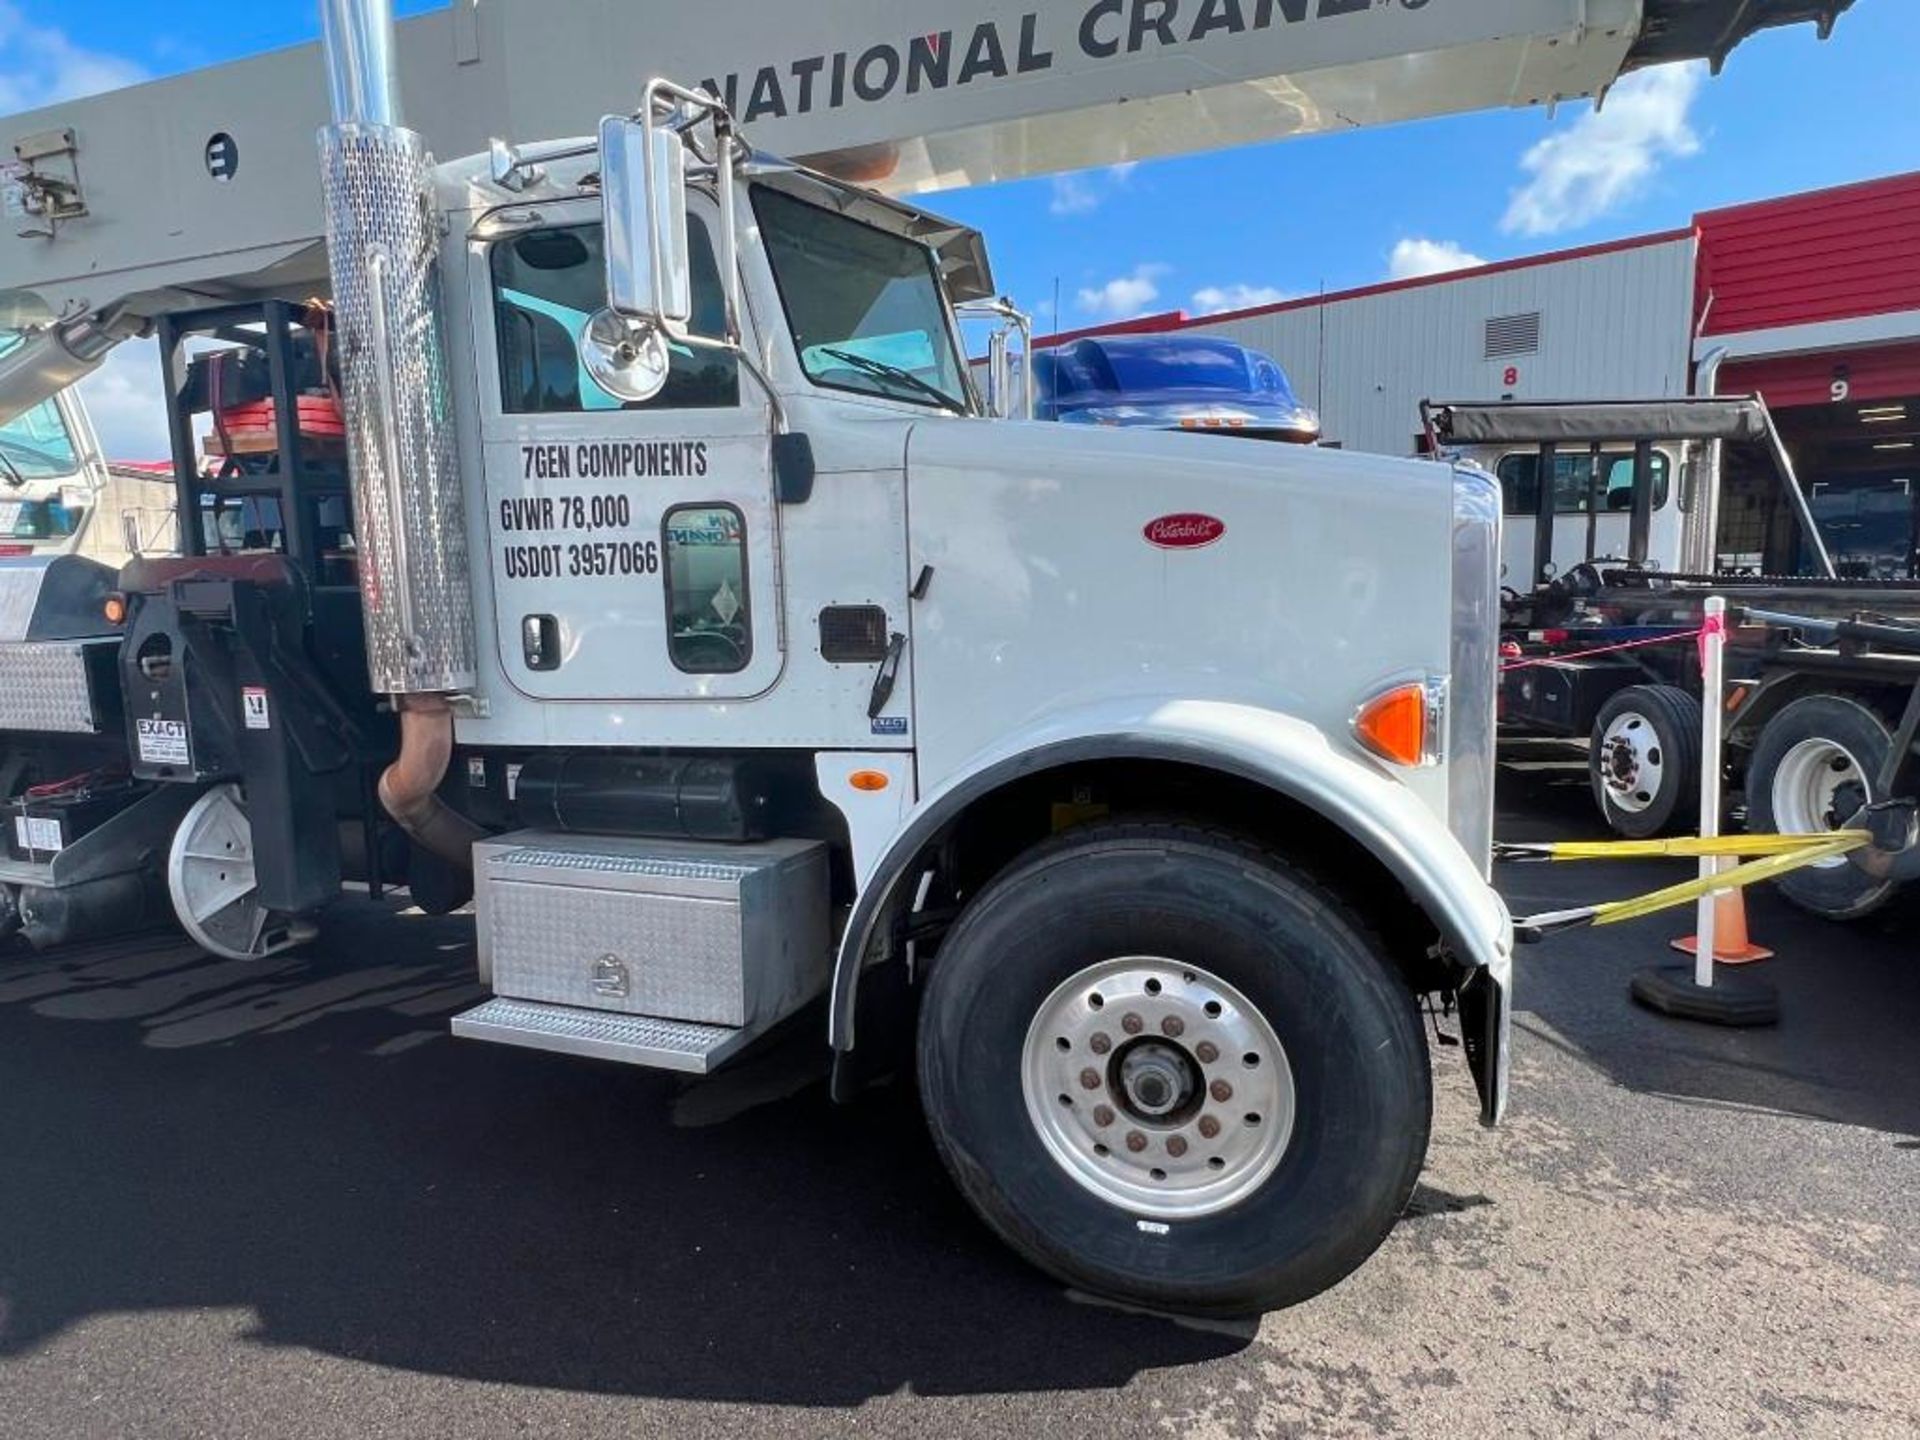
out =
column 1686, row 846
column 1752, row 873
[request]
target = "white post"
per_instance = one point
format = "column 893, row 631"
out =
column 1713, row 684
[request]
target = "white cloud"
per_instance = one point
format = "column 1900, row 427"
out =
column 1082, row 191
column 1605, row 157
column 1416, row 256
column 1124, row 295
column 40, row 65
column 1212, row 299
column 1072, row 195
column 125, row 401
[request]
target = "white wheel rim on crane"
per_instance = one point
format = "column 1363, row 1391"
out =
column 211, row 881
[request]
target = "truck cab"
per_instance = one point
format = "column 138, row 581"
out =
column 1133, row 788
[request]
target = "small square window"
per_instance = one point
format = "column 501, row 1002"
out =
column 709, row 623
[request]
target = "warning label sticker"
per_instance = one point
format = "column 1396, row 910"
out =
column 162, row 742
column 35, row 832
column 253, row 707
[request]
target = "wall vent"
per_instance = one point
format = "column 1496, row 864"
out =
column 1513, row 335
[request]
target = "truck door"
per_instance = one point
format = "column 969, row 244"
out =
column 634, row 547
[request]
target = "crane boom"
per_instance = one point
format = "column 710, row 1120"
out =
column 204, row 186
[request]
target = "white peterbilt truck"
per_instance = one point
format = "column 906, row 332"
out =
column 670, row 593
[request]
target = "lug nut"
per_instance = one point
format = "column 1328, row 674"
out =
column 1176, row 1146
column 1173, row 1027
column 1103, row 1115
column 1132, row 1023
column 1209, row 1126
column 1220, row 1090
column 1207, row 1051
column 1099, row 1044
column 1136, row 1142
column 1089, row 1079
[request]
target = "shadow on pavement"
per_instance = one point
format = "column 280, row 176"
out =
column 301, row 1138
column 1849, row 994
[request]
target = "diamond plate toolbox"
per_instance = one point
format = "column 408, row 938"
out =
column 46, row 686
column 733, row 935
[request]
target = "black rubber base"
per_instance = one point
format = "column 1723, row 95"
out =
column 1730, row 1000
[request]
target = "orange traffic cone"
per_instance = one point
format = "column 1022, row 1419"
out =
column 1731, row 946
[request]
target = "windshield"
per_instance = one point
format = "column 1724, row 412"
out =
column 1188, row 365
column 34, row 445
column 865, row 306
column 1573, row 485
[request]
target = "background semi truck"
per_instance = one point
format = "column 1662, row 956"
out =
column 662, row 585
column 59, row 495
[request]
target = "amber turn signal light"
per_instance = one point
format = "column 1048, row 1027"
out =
column 868, row 780
column 115, row 609
column 1396, row 724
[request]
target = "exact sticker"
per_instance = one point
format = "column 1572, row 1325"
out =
column 162, row 742
column 513, row 782
column 36, row 832
column 889, row 724
column 477, row 772
column 253, row 707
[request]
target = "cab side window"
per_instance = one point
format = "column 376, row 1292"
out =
column 547, row 284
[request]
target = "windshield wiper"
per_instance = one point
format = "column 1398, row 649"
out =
column 14, row 477
column 894, row 372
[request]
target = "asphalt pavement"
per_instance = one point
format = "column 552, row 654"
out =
column 277, row 1199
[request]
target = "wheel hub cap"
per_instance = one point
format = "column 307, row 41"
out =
column 1158, row 1087
column 1819, row 785
column 1631, row 761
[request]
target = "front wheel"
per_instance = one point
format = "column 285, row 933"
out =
column 1168, row 1069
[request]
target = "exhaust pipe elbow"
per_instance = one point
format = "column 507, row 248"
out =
column 408, row 786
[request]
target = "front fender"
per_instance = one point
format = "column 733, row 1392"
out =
column 1279, row 752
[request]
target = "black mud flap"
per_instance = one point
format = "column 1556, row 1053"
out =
column 1485, row 1023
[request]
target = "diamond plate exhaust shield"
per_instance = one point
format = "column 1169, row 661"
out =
column 409, row 510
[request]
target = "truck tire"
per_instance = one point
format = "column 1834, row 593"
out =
column 1644, row 761
column 1169, row 1069
column 1817, row 762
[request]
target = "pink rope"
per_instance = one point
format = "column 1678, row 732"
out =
column 1715, row 626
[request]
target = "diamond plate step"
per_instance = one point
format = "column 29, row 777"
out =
column 631, row 1039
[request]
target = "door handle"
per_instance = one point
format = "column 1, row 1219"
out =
column 888, row 673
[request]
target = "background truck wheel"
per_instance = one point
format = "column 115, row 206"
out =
column 1645, row 761
column 210, row 880
column 1169, row 1070
column 1816, row 763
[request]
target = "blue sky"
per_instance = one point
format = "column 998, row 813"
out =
column 1206, row 231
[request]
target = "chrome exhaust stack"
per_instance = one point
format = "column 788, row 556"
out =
column 409, row 509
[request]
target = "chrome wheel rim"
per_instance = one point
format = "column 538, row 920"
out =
column 1818, row 786
column 211, row 881
column 1158, row 1087
column 1633, row 763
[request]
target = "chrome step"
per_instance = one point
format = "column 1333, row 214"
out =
column 631, row 1039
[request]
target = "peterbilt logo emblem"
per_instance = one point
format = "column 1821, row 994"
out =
column 1184, row 532
column 610, row 977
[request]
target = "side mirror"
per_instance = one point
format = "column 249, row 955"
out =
column 643, row 200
